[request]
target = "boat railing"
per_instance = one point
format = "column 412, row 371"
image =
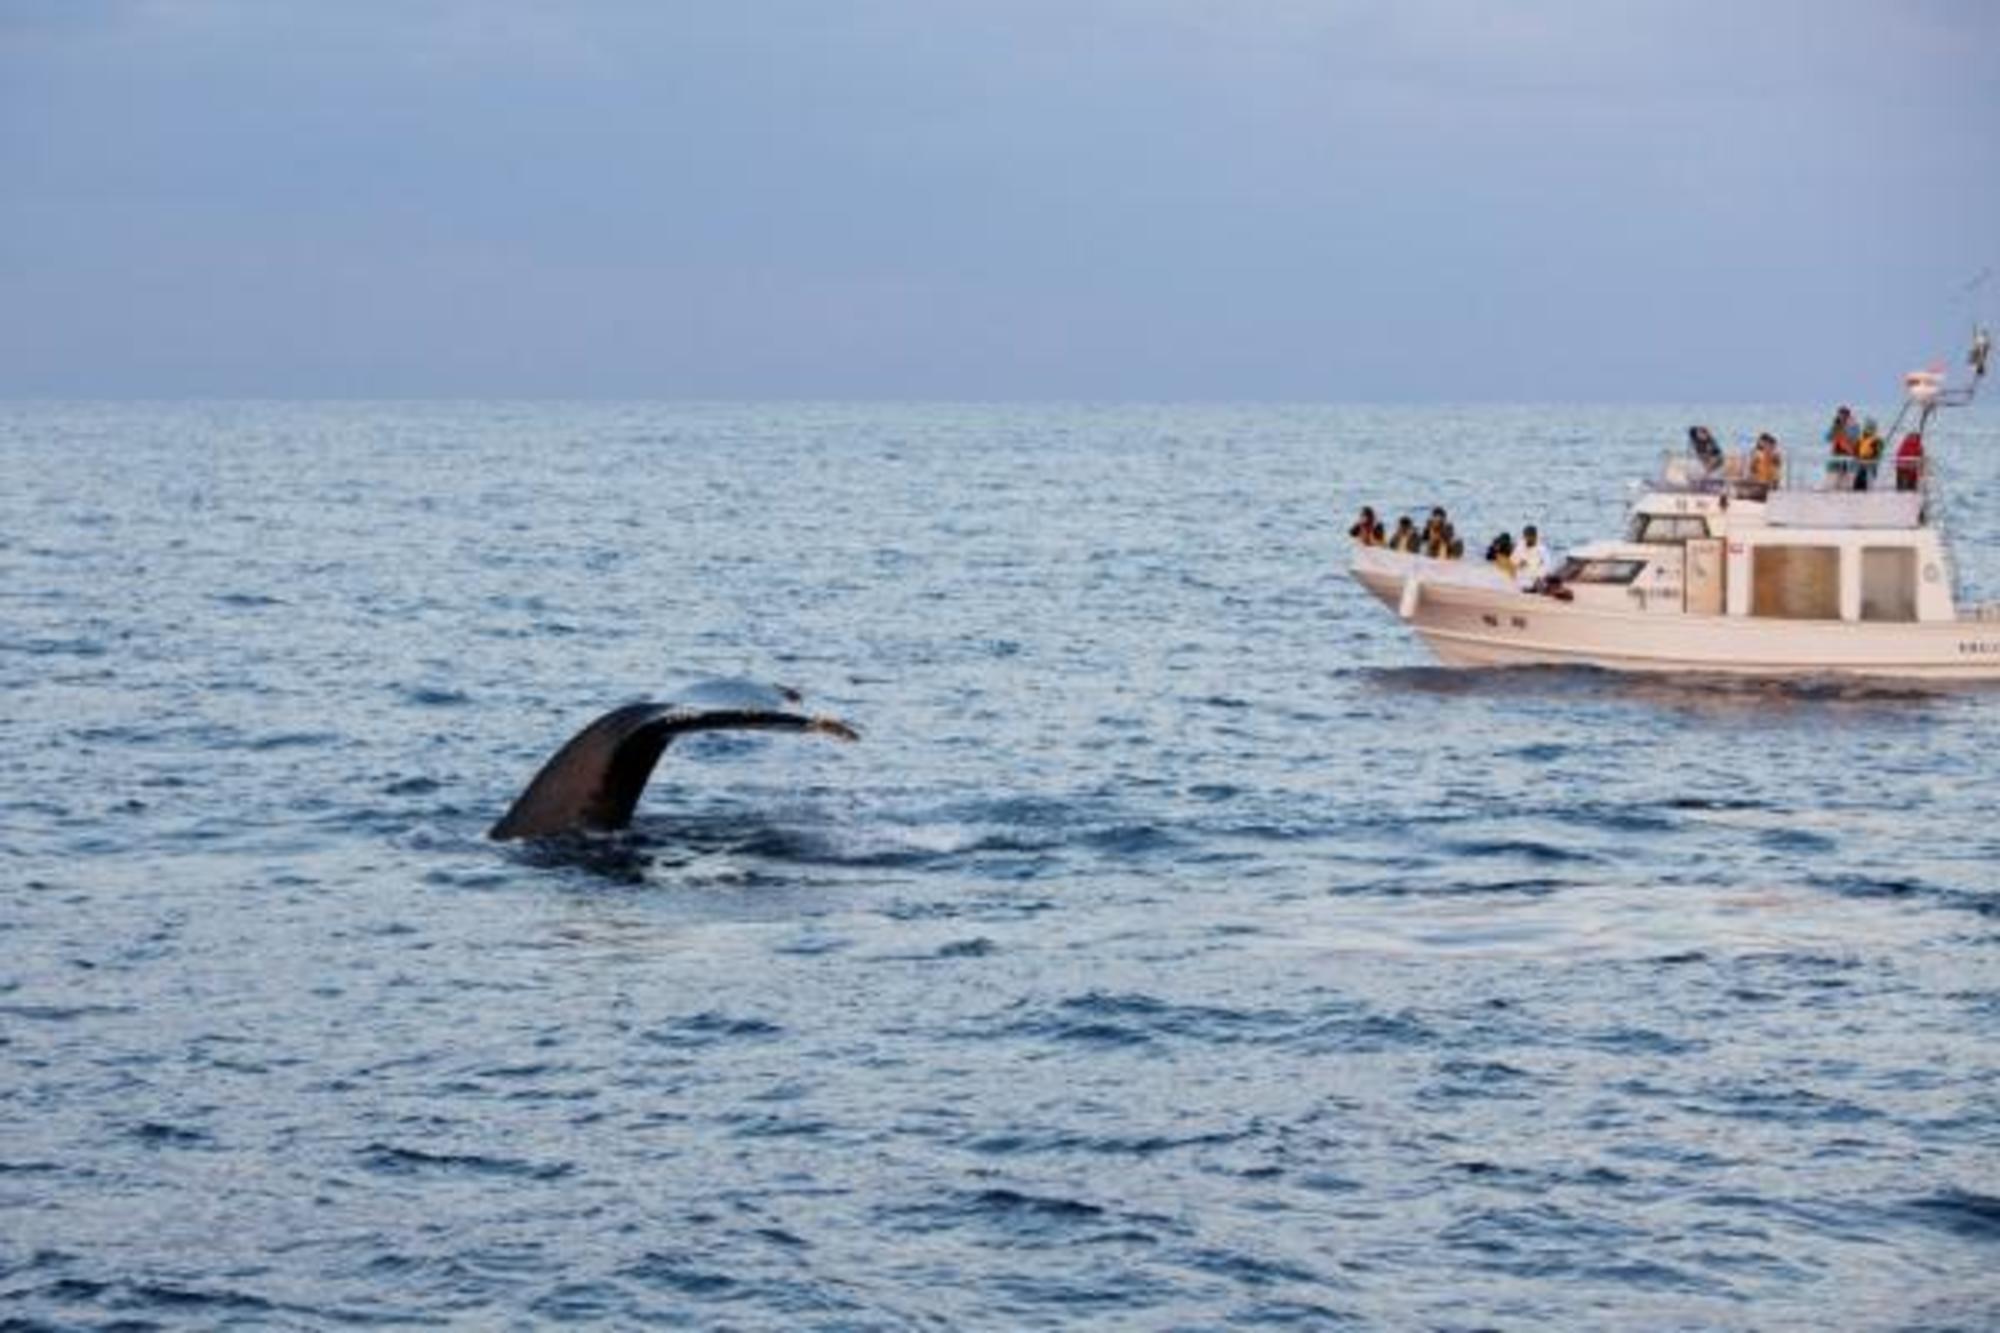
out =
column 1681, row 474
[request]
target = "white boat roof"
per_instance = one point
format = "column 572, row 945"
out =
column 1791, row 508
column 1844, row 509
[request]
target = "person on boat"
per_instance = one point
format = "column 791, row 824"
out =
column 1841, row 436
column 1366, row 529
column 1531, row 561
column 1500, row 554
column 1701, row 442
column 1767, row 462
column 1454, row 549
column 1436, row 532
column 1404, row 538
column 1867, row 454
column 1910, row 462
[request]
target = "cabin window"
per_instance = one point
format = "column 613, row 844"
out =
column 1795, row 582
column 1668, row 529
column 1888, row 583
column 1600, row 571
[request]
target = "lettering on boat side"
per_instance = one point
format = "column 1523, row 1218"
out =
column 1980, row 647
column 1491, row 621
column 1518, row 622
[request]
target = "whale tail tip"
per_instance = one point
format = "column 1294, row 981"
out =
column 832, row 726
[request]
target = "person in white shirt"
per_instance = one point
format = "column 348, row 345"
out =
column 1531, row 561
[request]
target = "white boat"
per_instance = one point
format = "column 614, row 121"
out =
column 1715, row 574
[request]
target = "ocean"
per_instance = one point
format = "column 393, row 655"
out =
column 1179, row 948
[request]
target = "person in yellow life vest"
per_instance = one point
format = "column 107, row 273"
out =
column 1500, row 554
column 1867, row 454
column 1767, row 462
column 1367, row 530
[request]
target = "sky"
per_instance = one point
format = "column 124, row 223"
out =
column 1072, row 200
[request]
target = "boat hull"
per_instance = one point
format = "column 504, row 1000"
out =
column 1472, row 626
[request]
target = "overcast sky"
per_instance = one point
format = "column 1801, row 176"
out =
column 1325, row 200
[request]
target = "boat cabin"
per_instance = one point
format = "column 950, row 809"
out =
column 1785, row 555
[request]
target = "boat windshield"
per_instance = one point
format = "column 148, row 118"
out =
column 1666, row 529
column 1600, row 571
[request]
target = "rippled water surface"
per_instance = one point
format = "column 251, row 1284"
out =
column 1177, row 949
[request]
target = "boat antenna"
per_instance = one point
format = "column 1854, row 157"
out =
column 1982, row 340
column 1977, row 356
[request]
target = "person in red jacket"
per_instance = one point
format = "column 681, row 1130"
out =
column 1910, row 462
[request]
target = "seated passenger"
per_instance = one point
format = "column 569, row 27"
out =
column 1500, row 554
column 1366, row 530
column 1910, row 462
column 1404, row 538
column 1434, row 531
column 1455, row 550
column 1531, row 562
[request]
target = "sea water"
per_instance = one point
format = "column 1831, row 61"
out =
column 1178, row 948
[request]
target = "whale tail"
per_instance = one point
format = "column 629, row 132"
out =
column 593, row 782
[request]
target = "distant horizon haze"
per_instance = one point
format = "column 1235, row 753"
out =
column 1112, row 201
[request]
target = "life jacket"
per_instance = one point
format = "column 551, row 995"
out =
column 1869, row 448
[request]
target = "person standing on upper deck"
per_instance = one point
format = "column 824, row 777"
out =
column 1867, row 455
column 1910, row 462
column 1843, row 435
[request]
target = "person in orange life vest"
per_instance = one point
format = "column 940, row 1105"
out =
column 1867, row 454
column 1767, row 462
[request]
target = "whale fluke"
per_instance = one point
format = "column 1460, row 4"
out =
column 594, row 781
